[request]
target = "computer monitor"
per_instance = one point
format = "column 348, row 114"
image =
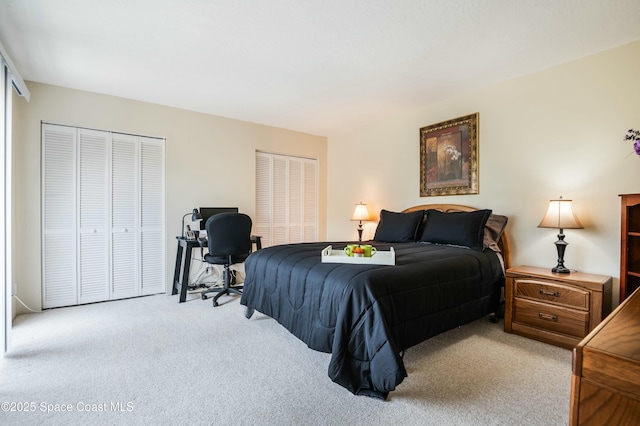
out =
column 207, row 212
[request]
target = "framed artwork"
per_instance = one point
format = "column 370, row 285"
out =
column 449, row 157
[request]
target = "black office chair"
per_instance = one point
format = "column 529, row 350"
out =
column 229, row 241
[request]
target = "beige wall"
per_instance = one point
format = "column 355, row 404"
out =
column 210, row 161
column 555, row 132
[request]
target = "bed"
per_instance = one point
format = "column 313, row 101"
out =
column 449, row 271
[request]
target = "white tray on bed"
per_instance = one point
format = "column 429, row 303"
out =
column 339, row 256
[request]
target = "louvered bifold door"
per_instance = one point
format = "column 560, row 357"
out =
column 280, row 201
column 262, row 222
column 286, row 199
column 59, row 278
column 125, row 271
column 310, row 201
column 93, row 244
column 295, row 200
column 152, row 217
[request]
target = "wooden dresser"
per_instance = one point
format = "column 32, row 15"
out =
column 560, row 309
column 605, row 384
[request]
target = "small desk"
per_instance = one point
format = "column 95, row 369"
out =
column 183, row 254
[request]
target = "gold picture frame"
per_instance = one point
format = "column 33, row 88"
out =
column 449, row 157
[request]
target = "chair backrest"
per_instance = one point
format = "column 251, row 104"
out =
column 229, row 234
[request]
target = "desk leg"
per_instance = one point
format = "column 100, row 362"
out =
column 185, row 275
column 176, row 273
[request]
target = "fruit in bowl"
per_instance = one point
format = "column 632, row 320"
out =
column 358, row 251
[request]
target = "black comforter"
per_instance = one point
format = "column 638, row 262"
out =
column 366, row 315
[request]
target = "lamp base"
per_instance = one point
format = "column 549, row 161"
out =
column 560, row 269
column 360, row 229
column 561, row 246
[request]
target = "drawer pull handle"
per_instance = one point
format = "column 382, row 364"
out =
column 548, row 317
column 549, row 292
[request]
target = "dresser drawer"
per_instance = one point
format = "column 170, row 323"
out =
column 550, row 292
column 558, row 319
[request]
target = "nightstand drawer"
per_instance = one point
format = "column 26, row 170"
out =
column 550, row 292
column 553, row 318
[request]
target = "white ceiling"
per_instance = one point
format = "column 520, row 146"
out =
column 317, row 66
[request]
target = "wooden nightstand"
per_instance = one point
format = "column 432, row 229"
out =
column 559, row 309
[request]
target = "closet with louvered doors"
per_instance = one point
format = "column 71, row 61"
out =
column 286, row 199
column 102, row 216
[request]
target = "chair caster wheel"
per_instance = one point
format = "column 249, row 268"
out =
column 203, row 296
column 215, row 303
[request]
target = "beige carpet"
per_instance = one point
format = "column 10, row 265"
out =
column 154, row 361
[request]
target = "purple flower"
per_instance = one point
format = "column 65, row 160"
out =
column 634, row 135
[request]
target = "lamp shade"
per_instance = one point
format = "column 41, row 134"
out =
column 560, row 215
column 361, row 212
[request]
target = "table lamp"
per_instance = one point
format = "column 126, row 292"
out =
column 560, row 215
column 195, row 215
column 360, row 213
